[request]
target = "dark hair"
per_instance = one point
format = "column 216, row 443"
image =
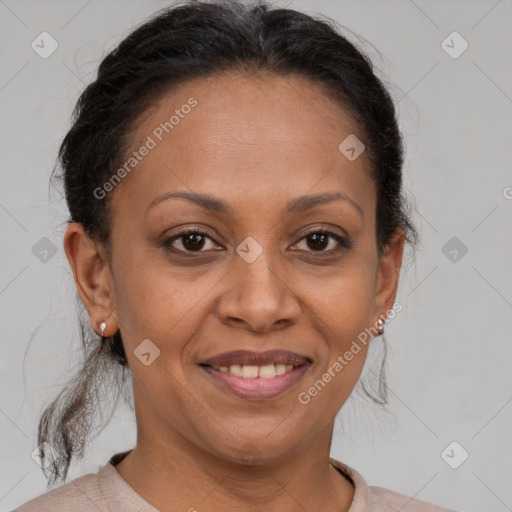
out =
column 189, row 40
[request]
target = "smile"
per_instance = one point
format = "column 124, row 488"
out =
column 269, row 371
column 240, row 374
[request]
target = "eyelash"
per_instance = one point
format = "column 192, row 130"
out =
column 344, row 244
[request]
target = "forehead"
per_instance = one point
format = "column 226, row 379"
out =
column 246, row 133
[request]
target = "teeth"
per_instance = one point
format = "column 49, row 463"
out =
column 249, row 371
column 268, row 371
column 280, row 369
column 235, row 369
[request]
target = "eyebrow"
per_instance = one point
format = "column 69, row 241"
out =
column 214, row 204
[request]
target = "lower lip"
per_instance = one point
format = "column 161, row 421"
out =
column 256, row 388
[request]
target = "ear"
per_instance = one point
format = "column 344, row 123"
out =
column 387, row 275
column 92, row 276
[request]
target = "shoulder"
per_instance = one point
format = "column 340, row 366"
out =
column 385, row 500
column 377, row 499
column 83, row 493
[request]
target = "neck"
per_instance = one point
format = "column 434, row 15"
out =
column 175, row 475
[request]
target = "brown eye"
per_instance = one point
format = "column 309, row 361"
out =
column 318, row 241
column 189, row 241
column 324, row 241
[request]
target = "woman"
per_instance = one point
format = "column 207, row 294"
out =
column 236, row 235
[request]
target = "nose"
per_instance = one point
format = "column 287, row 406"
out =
column 258, row 296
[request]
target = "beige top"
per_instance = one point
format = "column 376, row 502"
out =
column 106, row 491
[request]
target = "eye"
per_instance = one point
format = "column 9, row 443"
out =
column 190, row 240
column 321, row 240
column 195, row 240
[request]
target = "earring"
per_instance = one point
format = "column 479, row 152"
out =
column 380, row 324
column 103, row 326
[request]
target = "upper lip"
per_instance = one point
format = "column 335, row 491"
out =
column 247, row 357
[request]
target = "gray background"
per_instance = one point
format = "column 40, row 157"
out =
column 450, row 348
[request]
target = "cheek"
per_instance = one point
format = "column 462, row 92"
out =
column 156, row 301
column 342, row 309
column 343, row 300
column 341, row 318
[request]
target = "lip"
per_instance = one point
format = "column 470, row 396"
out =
column 256, row 388
column 248, row 357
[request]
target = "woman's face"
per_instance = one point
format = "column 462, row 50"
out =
column 251, row 158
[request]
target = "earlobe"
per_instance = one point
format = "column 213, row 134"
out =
column 107, row 327
column 91, row 274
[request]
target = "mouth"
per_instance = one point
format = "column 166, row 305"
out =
column 253, row 375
